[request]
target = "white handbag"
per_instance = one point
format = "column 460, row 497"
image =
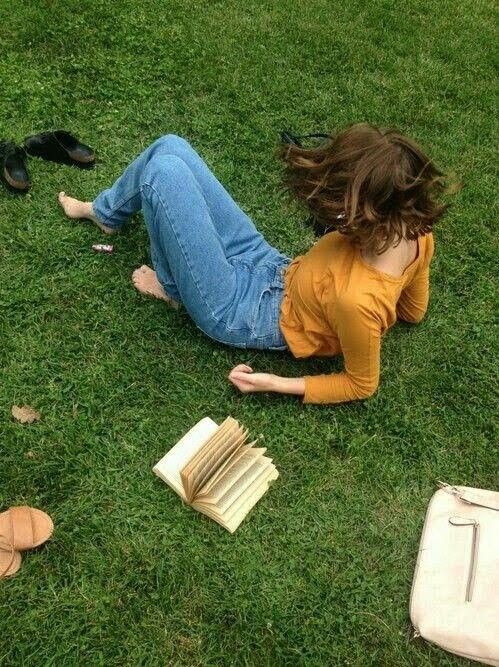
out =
column 455, row 592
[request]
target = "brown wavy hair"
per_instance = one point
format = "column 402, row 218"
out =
column 372, row 184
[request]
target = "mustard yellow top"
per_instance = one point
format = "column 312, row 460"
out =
column 335, row 303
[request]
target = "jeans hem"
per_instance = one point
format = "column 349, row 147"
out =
column 105, row 219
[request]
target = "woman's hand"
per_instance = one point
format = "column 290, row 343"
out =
column 246, row 381
column 243, row 377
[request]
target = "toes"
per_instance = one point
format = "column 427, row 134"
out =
column 138, row 278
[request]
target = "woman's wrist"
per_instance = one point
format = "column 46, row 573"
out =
column 284, row 385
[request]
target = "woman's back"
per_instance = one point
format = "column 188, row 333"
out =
column 395, row 260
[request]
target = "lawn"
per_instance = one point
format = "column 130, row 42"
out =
column 320, row 573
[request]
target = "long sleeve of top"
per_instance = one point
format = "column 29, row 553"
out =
column 359, row 337
column 413, row 302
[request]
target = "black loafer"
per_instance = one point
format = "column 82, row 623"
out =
column 60, row 146
column 13, row 168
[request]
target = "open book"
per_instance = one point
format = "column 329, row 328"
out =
column 214, row 469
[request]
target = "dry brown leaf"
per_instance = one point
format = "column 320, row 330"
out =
column 25, row 414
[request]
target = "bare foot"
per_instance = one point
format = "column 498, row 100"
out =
column 145, row 280
column 75, row 209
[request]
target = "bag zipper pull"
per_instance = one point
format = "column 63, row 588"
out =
column 465, row 521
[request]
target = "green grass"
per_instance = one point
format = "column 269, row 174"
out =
column 320, row 573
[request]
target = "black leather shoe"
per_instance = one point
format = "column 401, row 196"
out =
column 13, row 167
column 60, row 146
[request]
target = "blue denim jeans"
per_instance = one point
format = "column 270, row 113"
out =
column 206, row 251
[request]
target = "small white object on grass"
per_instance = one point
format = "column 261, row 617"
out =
column 103, row 247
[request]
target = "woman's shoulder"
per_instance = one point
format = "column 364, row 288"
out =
column 427, row 248
column 333, row 247
column 430, row 241
column 335, row 239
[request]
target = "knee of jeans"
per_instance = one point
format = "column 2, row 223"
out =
column 165, row 168
column 170, row 142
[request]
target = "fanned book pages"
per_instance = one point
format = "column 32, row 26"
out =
column 216, row 471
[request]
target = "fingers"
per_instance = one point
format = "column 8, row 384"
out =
column 240, row 384
column 241, row 376
column 241, row 368
column 244, row 368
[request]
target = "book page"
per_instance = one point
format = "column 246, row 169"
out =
column 209, row 512
column 214, row 453
column 169, row 467
column 235, row 456
column 221, row 453
column 233, row 476
column 204, row 491
column 237, row 517
column 196, row 461
column 235, row 494
column 241, row 509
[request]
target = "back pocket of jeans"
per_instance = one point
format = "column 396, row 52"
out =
column 265, row 320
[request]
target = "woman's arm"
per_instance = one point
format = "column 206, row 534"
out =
column 247, row 381
column 360, row 341
column 413, row 301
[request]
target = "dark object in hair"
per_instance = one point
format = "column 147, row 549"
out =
column 371, row 184
column 297, row 139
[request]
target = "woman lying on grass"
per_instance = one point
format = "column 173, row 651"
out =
column 373, row 188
